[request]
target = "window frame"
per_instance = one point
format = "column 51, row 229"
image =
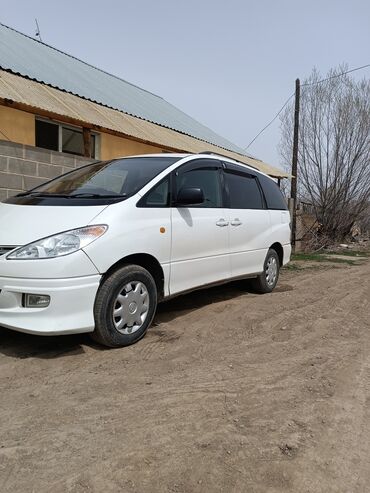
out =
column 68, row 126
column 200, row 163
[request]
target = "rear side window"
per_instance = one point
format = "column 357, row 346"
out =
column 273, row 195
column 244, row 192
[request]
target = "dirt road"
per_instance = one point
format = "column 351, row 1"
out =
column 229, row 392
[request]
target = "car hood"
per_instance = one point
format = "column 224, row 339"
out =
column 22, row 224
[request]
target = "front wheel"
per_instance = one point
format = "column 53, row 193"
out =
column 268, row 279
column 125, row 306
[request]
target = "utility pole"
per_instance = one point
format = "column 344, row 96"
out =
column 293, row 190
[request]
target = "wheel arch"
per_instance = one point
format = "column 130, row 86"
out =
column 146, row 261
column 278, row 247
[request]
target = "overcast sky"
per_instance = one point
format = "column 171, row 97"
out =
column 230, row 64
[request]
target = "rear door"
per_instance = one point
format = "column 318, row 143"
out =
column 279, row 214
column 249, row 221
column 200, row 239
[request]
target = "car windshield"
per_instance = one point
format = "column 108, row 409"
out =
column 117, row 178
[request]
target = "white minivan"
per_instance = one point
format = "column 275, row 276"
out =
column 96, row 249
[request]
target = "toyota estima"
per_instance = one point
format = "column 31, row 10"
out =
column 96, row 249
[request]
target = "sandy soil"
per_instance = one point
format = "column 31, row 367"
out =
column 229, row 391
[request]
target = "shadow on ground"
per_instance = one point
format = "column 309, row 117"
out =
column 19, row 345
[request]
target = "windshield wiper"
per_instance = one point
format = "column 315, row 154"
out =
column 98, row 195
column 75, row 195
column 41, row 194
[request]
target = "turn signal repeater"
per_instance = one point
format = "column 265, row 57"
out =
column 162, row 229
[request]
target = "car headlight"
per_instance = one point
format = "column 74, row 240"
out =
column 60, row 244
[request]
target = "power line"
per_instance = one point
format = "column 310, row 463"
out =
column 334, row 76
column 271, row 122
column 290, row 97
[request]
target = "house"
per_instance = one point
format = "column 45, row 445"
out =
column 58, row 112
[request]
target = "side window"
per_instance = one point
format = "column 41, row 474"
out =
column 158, row 196
column 244, row 192
column 274, row 197
column 208, row 179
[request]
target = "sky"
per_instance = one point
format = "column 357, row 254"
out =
column 230, row 64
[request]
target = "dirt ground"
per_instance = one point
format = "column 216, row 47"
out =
column 230, row 391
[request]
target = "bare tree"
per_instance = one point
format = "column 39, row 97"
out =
column 334, row 149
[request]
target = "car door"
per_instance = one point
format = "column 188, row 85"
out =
column 200, row 240
column 249, row 222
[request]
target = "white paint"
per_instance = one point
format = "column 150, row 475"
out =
column 199, row 246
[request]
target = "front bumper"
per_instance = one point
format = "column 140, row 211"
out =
column 71, row 308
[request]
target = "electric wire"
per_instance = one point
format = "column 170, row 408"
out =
column 290, row 97
column 334, row 76
column 270, row 123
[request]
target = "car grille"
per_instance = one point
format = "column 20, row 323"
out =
column 5, row 249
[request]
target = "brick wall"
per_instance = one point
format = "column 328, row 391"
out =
column 24, row 167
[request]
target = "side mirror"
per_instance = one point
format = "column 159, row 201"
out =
column 189, row 196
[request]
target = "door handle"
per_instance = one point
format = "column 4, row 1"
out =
column 221, row 222
column 236, row 222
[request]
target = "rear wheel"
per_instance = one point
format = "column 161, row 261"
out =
column 267, row 281
column 125, row 306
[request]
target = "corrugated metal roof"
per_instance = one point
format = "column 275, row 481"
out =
column 38, row 61
column 38, row 97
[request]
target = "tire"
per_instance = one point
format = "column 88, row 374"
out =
column 124, row 306
column 268, row 279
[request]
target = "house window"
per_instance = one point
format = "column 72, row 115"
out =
column 47, row 135
column 62, row 138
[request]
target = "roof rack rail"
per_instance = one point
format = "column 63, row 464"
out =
column 227, row 157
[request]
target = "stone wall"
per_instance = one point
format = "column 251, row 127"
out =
column 23, row 167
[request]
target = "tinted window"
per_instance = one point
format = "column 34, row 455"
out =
column 206, row 179
column 158, row 196
column 244, row 192
column 273, row 196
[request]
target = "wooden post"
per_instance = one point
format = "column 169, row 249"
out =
column 87, row 141
column 293, row 191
